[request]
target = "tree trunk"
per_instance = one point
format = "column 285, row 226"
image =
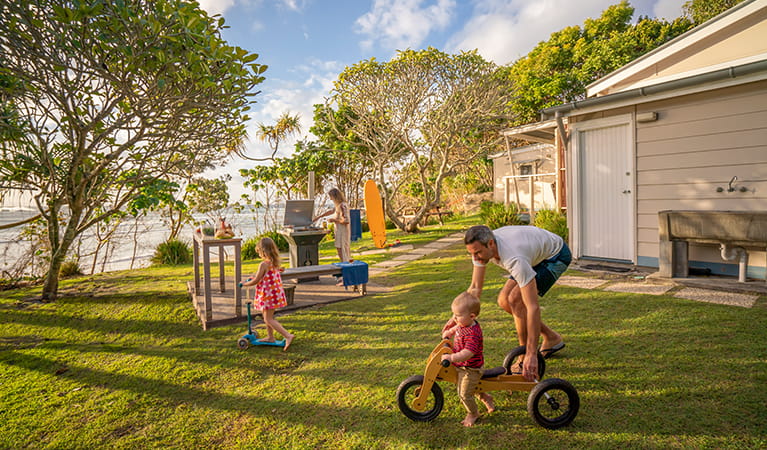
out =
column 59, row 249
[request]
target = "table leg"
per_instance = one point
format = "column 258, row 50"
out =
column 237, row 278
column 206, row 278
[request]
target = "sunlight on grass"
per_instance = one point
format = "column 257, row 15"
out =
column 121, row 360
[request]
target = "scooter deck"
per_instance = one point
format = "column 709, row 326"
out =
column 254, row 341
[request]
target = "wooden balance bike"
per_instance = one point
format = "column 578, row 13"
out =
column 552, row 403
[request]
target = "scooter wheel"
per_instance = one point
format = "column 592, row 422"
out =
column 409, row 389
column 553, row 403
column 243, row 343
column 511, row 357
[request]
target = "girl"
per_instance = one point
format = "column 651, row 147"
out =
column 269, row 291
column 341, row 220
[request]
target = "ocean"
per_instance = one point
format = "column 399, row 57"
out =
column 131, row 246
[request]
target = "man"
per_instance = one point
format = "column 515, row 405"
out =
column 535, row 259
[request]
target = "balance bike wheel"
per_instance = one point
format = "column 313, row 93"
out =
column 409, row 389
column 553, row 403
column 520, row 351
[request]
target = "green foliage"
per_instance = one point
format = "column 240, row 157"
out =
column 140, row 91
column 554, row 221
column 700, row 11
column 558, row 70
column 422, row 116
column 172, row 253
column 496, row 215
column 127, row 348
column 70, row 268
column 248, row 250
column 278, row 238
column 341, row 162
column 209, row 196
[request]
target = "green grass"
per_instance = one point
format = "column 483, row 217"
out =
column 120, row 360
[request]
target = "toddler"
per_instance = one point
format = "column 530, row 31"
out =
column 467, row 356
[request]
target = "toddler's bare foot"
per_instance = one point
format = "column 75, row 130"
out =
column 288, row 340
column 469, row 420
column 487, row 399
column 269, row 340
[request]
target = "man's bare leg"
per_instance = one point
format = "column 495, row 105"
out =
column 510, row 300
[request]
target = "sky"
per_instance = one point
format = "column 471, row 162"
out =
column 307, row 43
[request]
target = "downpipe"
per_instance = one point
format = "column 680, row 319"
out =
column 731, row 253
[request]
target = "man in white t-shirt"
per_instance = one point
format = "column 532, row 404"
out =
column 535, row 259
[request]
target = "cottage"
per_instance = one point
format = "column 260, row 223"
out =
column 681, row 128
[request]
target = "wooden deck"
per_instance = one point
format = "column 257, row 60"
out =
column 306, row 295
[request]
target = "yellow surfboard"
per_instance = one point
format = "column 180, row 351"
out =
column 375, row 214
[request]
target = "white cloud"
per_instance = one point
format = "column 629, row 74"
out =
column 668, row 9
column 315, row 80
column 400, row 24
column 294, row 5
column 504, row 31
column 214, row 7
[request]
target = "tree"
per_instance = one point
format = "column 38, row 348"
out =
column 209, row 196
column 116, row 95
column 419, row 117
column 558, row 70
column 273, row 135
column 341, row 163
column 700, row 11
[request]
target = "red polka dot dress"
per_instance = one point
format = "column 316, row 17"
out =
column 269, row 291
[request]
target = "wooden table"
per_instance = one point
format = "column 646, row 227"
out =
column 204, row 244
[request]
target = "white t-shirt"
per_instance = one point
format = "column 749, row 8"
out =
column 520, row 248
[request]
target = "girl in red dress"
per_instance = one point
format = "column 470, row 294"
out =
column 270, row 294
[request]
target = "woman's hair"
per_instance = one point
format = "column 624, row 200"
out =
column 267, row 249
column 467, row 302
column 336, row 195
column 478, row 233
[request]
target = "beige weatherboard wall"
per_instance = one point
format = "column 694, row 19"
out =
column 692, row 137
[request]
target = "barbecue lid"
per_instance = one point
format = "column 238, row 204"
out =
column 298, row 213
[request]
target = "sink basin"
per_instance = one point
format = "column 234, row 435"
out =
column 738, row 228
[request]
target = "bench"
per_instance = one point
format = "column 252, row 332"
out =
column 434, row 212
column 309, row 272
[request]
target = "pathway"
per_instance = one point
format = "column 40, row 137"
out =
column 726, row 292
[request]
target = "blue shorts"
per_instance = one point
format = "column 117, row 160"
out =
column 548, row 271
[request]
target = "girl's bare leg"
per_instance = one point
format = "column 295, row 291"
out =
column 272, row 322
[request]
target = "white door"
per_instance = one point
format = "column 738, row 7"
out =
column 604, row 189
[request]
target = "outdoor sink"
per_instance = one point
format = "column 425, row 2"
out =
column 734, row 231
column 738, row 228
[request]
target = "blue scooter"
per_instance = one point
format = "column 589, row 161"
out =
column 252, row 337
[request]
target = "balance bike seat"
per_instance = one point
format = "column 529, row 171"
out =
column 494, row 372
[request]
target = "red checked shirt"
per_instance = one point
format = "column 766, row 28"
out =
column 471, row 338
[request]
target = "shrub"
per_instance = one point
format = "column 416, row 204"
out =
column 248, row 250
column 172, row 252
column 280, row 240
column 554, row 221
column 496, row 215
column 70, row 269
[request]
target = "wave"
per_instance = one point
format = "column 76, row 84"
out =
column 17, row 209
